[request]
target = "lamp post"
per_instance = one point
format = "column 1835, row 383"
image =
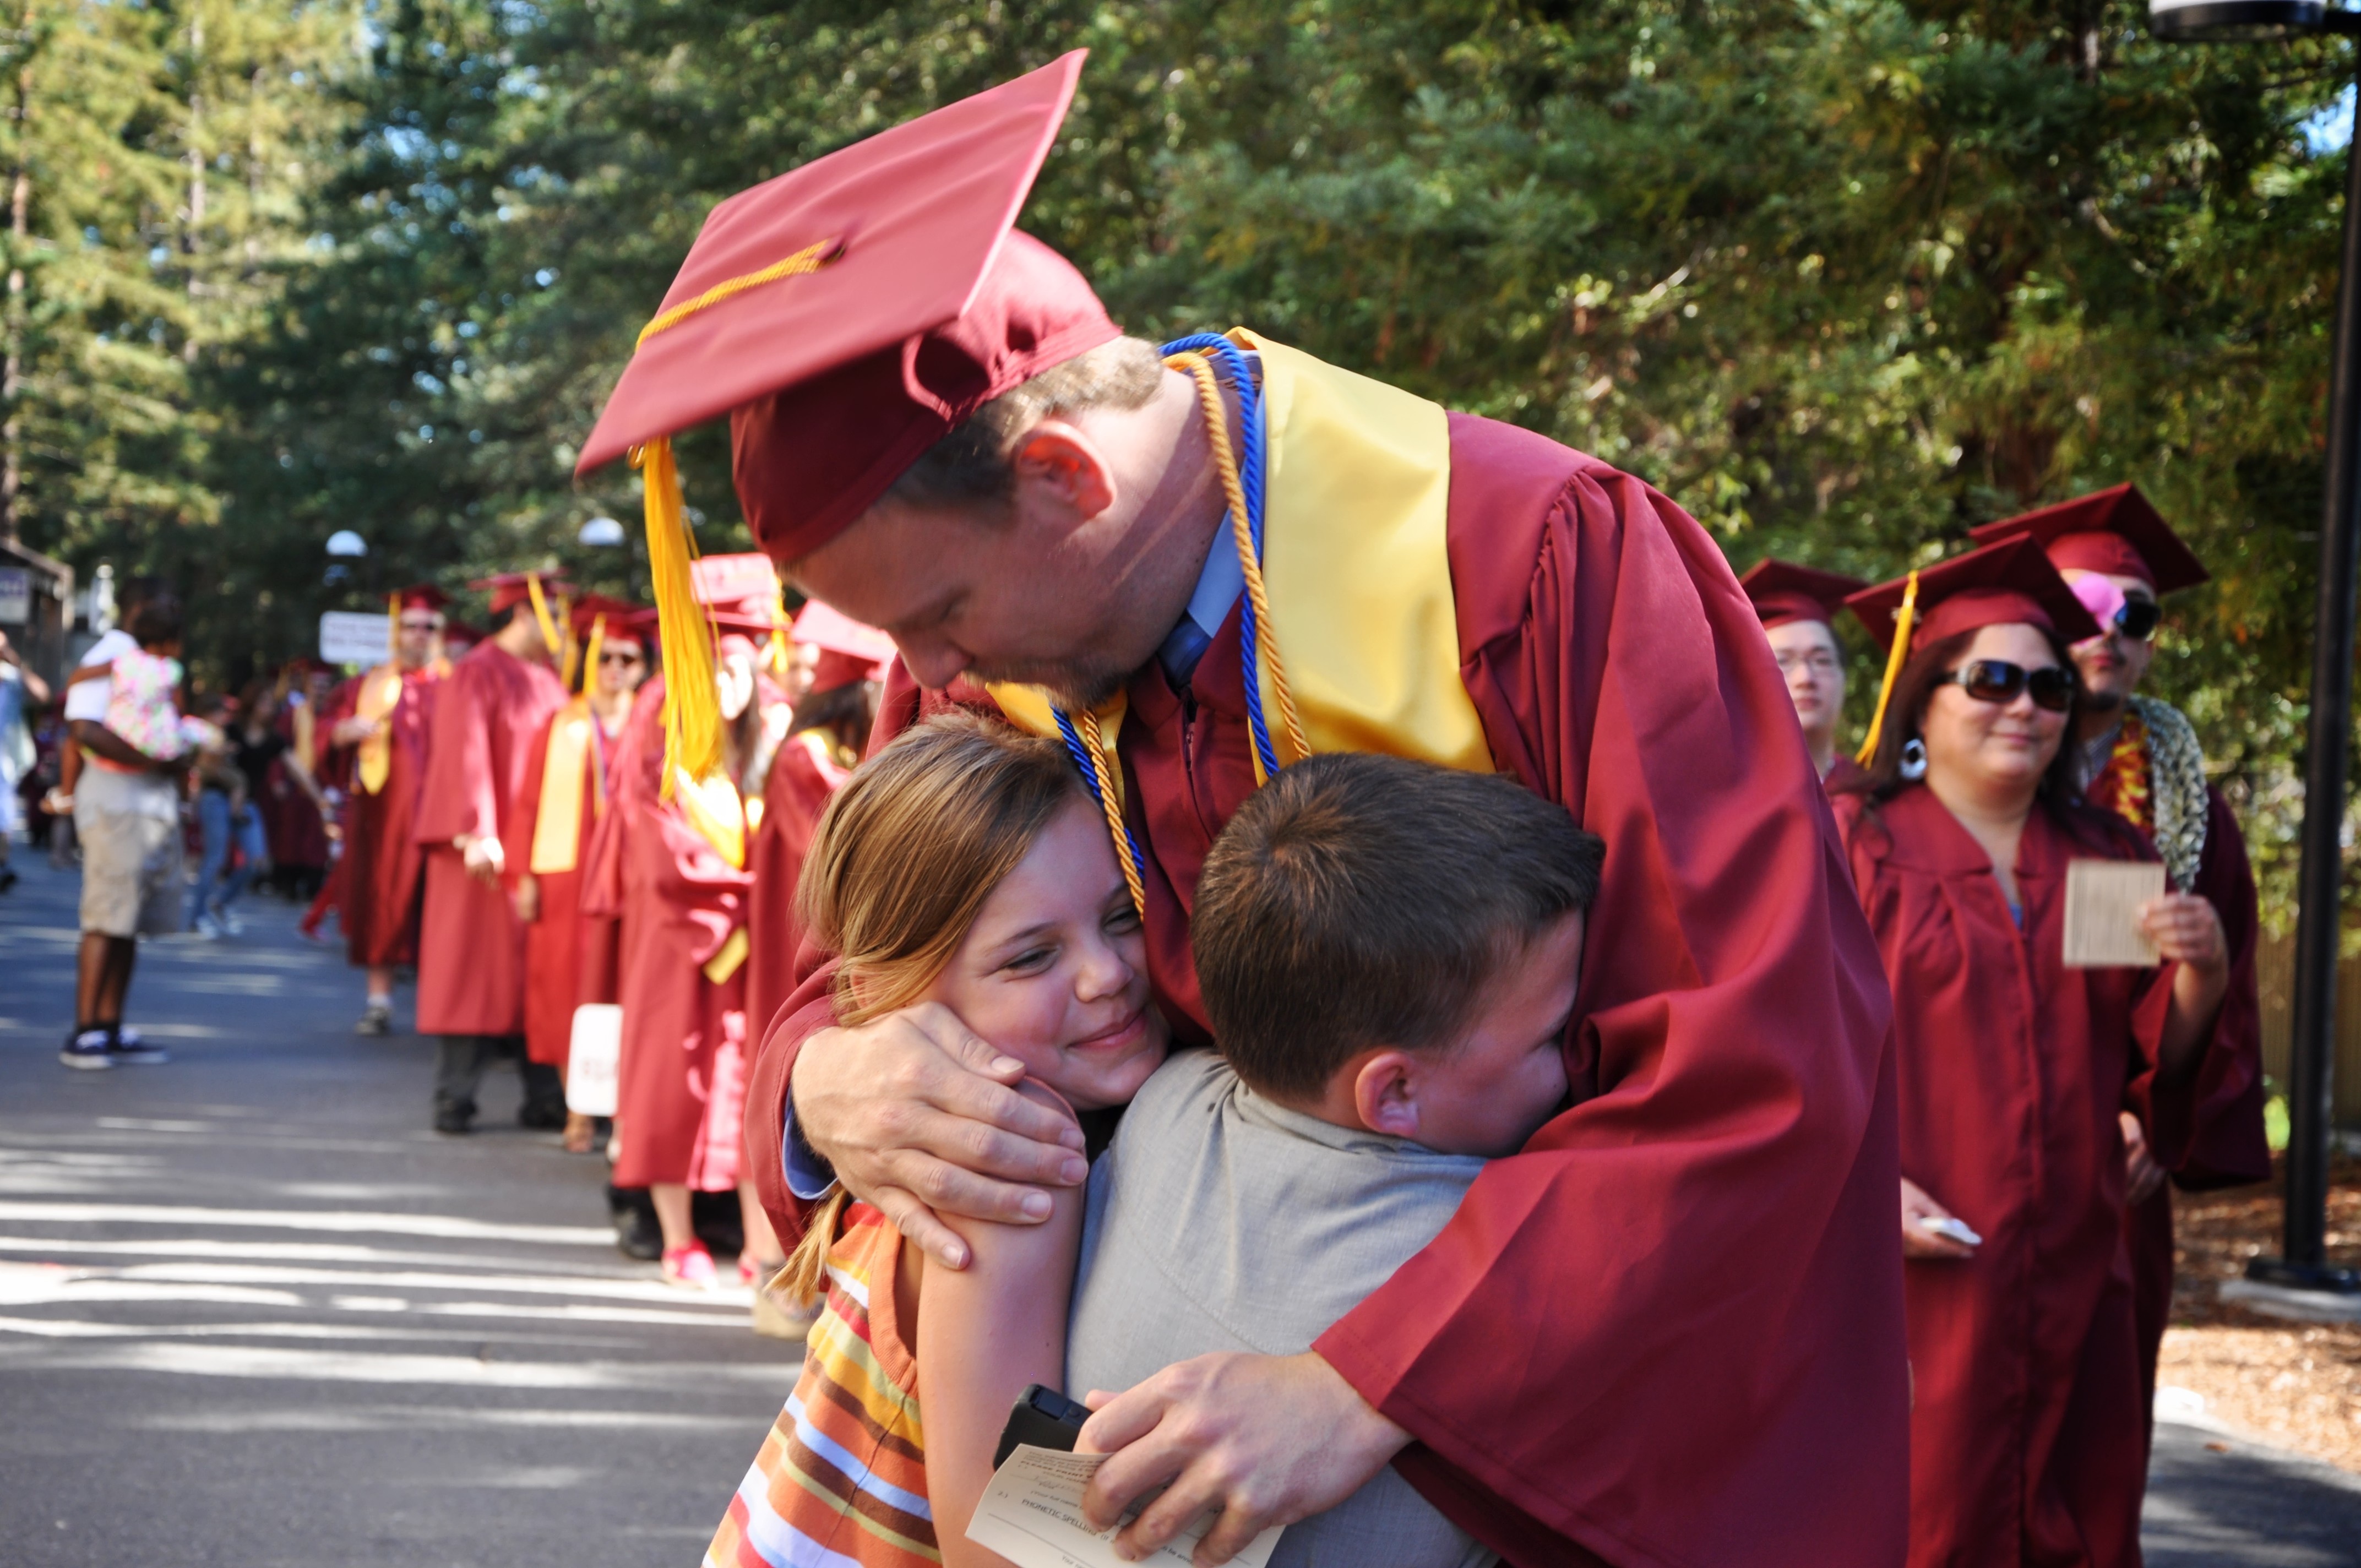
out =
column 2303, row 1262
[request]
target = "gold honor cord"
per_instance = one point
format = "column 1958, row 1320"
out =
column 393, row 629
column 1895, row 658
column 1217, row 430
column 1103, row 780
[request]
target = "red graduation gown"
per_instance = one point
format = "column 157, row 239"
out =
column 802, row 778
column 297, row 835
column 381, row 868
column 2027, row 1439
column 471, row 945
column 681, row 1093
column 555, row 938
column 1670, row 1332
column 2228, row 1146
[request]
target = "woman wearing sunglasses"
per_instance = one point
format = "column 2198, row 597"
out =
column 2140, row 758
column 2027, row 1436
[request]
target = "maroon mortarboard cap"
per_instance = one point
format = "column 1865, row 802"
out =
column 852, row 312
column 458, row 636
column 848, row 648
column 1783, row 591
column 589, row 607
column 2112, row 531
column 422, row 596
column 727, row 579
column 511, row 589
column 753, row 617
column 2010, row 581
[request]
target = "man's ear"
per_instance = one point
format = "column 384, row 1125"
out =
column 1057, row 461
column 1385, row 1093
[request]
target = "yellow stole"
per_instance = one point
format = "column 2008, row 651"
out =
column 1358, row 484
column 380, row 694
column 719, row 814
column 557, row 828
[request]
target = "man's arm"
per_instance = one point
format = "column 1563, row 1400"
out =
column 99, row 741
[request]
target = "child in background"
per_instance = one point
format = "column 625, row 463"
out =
column 1388, row 951
column 965, row 870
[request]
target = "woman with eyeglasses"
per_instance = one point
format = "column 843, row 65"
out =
column 569, row 955
column 2141, row 760
column 2027, row 1438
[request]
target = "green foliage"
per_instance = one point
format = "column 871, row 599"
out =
column 1843, row 276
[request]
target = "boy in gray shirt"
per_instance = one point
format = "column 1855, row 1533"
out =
column 1388, row 952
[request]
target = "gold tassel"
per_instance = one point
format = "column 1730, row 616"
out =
column 1897, row 657
column 777, row 655
column 692, row 710
column 549, row 638
column 392, row 629
column 590, row 658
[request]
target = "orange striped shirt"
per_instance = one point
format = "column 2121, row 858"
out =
column 841, row 1479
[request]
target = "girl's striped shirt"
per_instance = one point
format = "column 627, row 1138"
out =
column 841, row 1479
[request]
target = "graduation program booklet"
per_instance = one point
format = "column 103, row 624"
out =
column 1032, row 1515
column 2102, row 900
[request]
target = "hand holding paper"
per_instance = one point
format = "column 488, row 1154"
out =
column 1032, row 1515
column 2104, row 904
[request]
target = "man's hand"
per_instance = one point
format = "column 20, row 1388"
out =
column 916, row 1114
column 482, row 857
column 2187, row 929
column 1268, row 1440
column 525, row 898
column 2142, row 1175
column 1918, row 1211
column 352, row 732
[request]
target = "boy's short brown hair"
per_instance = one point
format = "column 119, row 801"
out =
column 1360, row 900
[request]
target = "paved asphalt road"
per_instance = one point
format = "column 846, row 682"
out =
column 252, row 1312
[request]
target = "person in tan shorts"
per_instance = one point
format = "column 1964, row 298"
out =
column 128, row 816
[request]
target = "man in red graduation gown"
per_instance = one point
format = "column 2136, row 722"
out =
column 1798, row 606
column 2141, row 760
column 838, row 662
column 471, row 944
column 377, row 735
column 1670, row 1331
column 560, row 798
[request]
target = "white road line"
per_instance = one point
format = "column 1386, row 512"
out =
column 293, row 1252
column 84, row 1328
column 444, row 1227
column 667, row 1377
column 737, row 1296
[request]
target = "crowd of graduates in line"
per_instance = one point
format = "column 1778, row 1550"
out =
column 507, row 830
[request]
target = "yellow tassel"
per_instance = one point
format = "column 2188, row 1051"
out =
column 692, row 710
column 1895, row 660
column 393, row 631
column 590, row 653
column 777, row 656
column 549, row 637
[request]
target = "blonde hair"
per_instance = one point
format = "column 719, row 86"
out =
column 902, row 861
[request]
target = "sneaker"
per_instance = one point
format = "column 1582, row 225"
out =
column 210, row 928
column 690, row 1267
column 375, row 1020
column 86, row 1048
column 232, row 925
column 7, row 878
column 454, row 1119
column 125, row 1044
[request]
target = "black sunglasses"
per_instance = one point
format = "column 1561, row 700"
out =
column 617, row 656
column 2138, row 620
column 1997, row 680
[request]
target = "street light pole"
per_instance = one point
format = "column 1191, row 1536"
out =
column 2303, row 1262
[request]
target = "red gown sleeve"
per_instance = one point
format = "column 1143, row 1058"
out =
column 524, row 810
column 2227, row 1144
column 458, row 794
column 1710, row 1228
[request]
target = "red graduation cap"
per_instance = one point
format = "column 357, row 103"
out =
column 856, row 309
column 588, row 608
column 2006, row 582
column 509, row 589
column 1783, row 591
column 2112, row 531
column 2000, row 583
column 726, row 579
column 849, row 649
column 420, row 595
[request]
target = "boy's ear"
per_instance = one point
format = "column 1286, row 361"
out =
column 1385, row 1093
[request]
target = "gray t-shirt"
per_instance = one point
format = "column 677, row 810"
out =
column 1219, row 1220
